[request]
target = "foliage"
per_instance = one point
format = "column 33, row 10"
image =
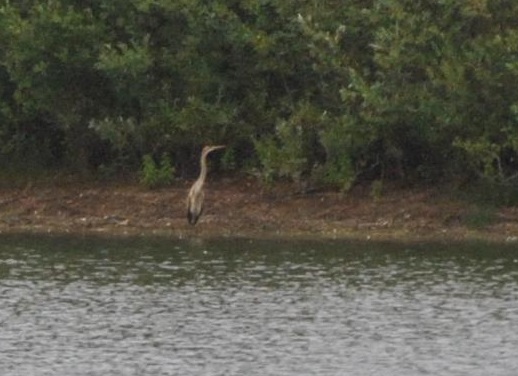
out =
column 480, row 217
column 289, row 151
column 155, row 175
column 228, row 160
column 377, row 190
column 339, row 147
column 334, row 92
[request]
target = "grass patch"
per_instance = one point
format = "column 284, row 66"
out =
column 480, row 217
column 489, row 193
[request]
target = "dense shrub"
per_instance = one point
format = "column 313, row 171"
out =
column 329, row 91
column 154, row 175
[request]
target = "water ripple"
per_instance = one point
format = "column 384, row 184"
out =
column 91, row 307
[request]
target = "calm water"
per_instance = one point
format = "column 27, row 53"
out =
column 86, row 306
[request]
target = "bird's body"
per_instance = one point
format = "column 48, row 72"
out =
column 195, row 202
column 196, row 194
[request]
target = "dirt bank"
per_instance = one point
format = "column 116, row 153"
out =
column 240, row 207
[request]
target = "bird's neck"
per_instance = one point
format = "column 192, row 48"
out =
column 203, row 168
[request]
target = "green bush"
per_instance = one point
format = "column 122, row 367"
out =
column 155, row 175
column 480, row 217
column 228, row 160
column 282, row 155
column 328, row 91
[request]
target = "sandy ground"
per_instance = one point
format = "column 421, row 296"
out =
column 241, row 207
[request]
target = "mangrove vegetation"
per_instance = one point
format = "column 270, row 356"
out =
column 327, row 92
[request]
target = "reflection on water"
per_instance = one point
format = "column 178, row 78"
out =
column 88, row 306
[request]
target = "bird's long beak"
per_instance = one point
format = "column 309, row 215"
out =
column 216, row 147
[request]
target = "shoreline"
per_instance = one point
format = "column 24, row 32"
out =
column 240, row 208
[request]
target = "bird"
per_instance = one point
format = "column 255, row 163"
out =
column 196, row 194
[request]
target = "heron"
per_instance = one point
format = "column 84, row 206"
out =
column 196, row 194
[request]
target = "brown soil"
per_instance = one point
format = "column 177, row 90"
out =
column 240, row 207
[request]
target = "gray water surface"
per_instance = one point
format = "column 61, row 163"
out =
column 90, row 306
